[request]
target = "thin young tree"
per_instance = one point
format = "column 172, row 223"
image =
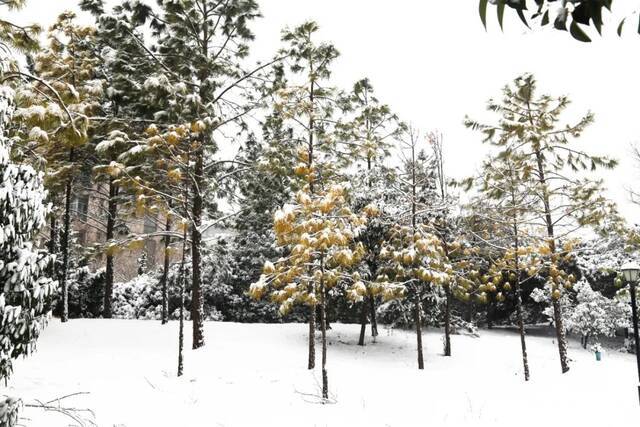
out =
column 307, row 106
column 414, row 256
column 200, row 47
column 529, row 133
column 510, row 204
column 369, row 134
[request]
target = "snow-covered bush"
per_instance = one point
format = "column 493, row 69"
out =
column 86, row 292
column 139, row 298
column 595, row 314
column 26, row 293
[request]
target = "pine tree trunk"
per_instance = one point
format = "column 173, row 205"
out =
column 521, row 330
column 53, row 244
column 64, row 247
column 363, row 320
column 165, row 274
column 111, row 221
column 585, row 340
column 181, row 330
column 312, row 337
column 447, row 322
column 490, row 315
column 418, row 320
column 557, row 309
column 561, row 336
column 372, row 314
column 323, row 329
column 183, row 281
column 197, row 300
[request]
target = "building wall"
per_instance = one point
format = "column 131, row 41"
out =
column 89, row 209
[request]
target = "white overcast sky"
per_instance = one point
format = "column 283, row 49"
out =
column 433, row 62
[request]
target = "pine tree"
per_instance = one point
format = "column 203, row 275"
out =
column 369, row 135
column 317, row 231
column 213, row 36
column 510, row 202
column 530, row 134
column 59, row 139
column 414, row 256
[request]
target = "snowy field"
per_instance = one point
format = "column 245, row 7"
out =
column 255, row 375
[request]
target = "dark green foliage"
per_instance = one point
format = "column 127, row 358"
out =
column 86, row 292
column 568, row 15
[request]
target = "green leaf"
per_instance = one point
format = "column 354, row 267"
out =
column 522, row 17
column 501, row 5
column 577, row 33
column 560, row 22
column 545, row 18
column 483, row 12
column 620, row 27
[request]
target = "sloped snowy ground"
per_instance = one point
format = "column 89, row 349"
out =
column 255, row 375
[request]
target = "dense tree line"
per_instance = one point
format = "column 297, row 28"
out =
column 335, row 209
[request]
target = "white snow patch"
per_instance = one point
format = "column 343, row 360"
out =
column 255, row 375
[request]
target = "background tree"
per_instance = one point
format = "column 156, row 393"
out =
column 414, row 256
column 55, row 136
column 199, row 48
column 369, row 135
column 510, row 204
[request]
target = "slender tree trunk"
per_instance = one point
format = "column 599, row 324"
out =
column 447, row 322
column 372, row 314
column 557, row 309
column 585, row 340
column 64, row 245
column 312, row 337
column 112, row 211
column 490, row 315
column 323, row 329
column 561, row 336
column 470, row 316
column 165, row 274
column 363, row 320
column 521, row 330
column 53, row 242
column 197, row 300
column 312, row 311
column 183, row 280
column 418, row 320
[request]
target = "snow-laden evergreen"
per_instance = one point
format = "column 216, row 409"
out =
column 26, row 290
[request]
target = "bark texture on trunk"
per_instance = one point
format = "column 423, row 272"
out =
column 112, row 211
column 363, row 321
column 557, row 309
column 372, row 314
column 64, row 247
column 53, row 242
column 323, row 329
column 197, row 300
column 418, row 320
column 183, row 281
column 165, row 274
column 521, row 330
column 561, row 336
column 447, row 322
column 312, row 337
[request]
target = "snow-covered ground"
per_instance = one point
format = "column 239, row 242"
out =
column 255, row 375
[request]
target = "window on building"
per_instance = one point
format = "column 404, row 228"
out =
column 80, row 206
